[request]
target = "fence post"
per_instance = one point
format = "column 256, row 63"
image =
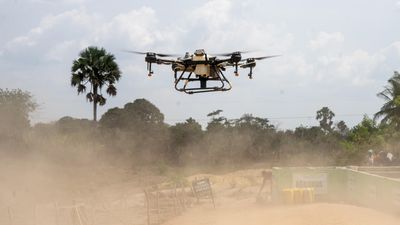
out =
column 147, row 206
column 78, row 214
column 10, row 216
column 57, row 213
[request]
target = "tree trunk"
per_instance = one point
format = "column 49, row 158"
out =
column 95, row 103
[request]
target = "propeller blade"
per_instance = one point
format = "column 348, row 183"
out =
column 266, row 57
column 231, row 53
column 167, row 55
column 157, row 54
column 135, row 52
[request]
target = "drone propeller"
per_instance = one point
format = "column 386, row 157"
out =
column 251, row 63
column 157, row 54
column 265, row 57
column 231, row 53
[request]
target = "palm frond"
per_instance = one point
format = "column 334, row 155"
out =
column 81, row 88
column 111, row 90
column 90, row 97
column 101, row 100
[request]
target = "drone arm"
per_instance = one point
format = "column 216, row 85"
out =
column 157, row 61
column 165, row 61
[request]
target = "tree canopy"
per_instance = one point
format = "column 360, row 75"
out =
column 96, row 68
column 134, row 115
column 15, row 106
column 325, row 117
column 390, row 111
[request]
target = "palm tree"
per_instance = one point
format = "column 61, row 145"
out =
column 96, row 68
column 325, row 117
column 390, row 111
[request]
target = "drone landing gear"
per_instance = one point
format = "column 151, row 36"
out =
column 184, row 81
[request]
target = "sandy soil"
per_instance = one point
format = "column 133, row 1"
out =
column 247, row 213
column 33, row 188
column 40, row 191
column 236, row 205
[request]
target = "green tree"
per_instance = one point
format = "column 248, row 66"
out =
column 256, row 123
column 217, row 122
column 138, row 128
column 325, row 117
column 97, row 68
column 390, row 111
column 15, row 106
column 366, row 133
column 312, row 134
column 69, row 125
column 257, row 134
column 185, row 137
column 342, row 128
column 138, row 115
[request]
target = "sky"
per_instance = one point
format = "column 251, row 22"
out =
column 338, row 54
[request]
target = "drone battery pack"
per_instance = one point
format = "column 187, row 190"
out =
column 201, row 69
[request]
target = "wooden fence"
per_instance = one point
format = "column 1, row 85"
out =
column 165, row 204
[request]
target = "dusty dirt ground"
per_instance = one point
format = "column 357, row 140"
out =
column 34, row 191
column 236, row 205
column 39, row 191
column 248, row 213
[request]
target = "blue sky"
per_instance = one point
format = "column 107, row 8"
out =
column 335, row 53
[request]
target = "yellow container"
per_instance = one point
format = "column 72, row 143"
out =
column 298, row 195
column 288, row 195
column 308, row 195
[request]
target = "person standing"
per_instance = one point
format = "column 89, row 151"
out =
column 267, row 178
column 370, row 157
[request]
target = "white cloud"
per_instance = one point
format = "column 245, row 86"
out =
column 52, row 29
column 60, row 36
column 59, row 1
column 325, row 39
column 356, row 68
column 21, row 41
column 138, row 28
column 396, row 46
column 359, row 66
column 58, row 52
column 213, row 13
column 398, row 4
column 217, row 26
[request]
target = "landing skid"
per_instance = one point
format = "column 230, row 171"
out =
column 182, row 82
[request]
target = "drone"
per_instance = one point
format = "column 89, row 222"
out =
column 201, row 68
